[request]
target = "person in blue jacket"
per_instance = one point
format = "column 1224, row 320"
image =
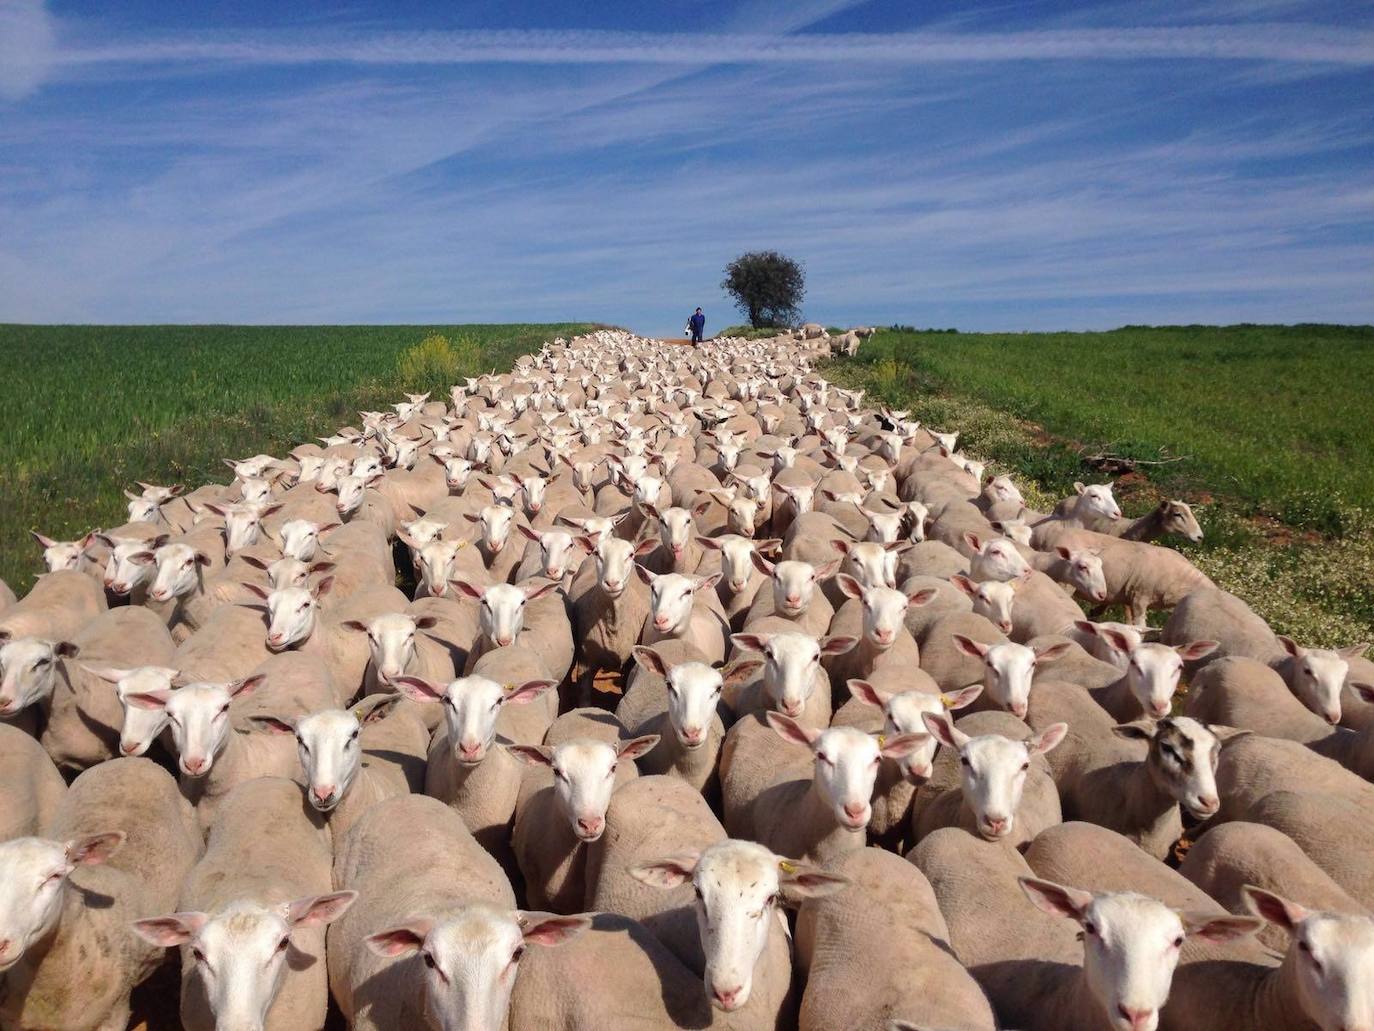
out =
column 697, row 323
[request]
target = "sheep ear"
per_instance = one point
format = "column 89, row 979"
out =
column 1365, row 691
column 528, row 533
column 537, row 592
column 973, row 649
column 400, row 941
column 790, row 730
column 645, row 575
column 354, row 624
column 760, row 563
column 548, row 929
column 319, row 910
column 1140, row 730
column 272, row 724
column 109, row 674
column 1050, row 652
column 649, row 659
column 1056, row 899
column 1354, row 651
column 960, row 699
column 257, row 591
column 426, row 622
column 837, row 645
column 706, row 583
column 638, row 746
column 1291, row 646
column 646, row 546
column 1219, row 929
column 709, row 543
column 804, row 881
column 923, row 596
column 532, row 755
column 668, row 873
column 866, row 693
column 528, row 691
column 467, row 590
column 841, row 546
column 246, row 686
column 1197, row 650
column 972, row 540
column 964, row 584
column 750, row 642
column 1048, row 739
column 901, row 746
column 1115, row 639
column 375, row 707
column 169, row 931
column 1078, row 488
column 418, row 689
column 151, row 700
column 740, row 672
column 942, row 728
column 94, row 849
column 1274, row 908
column 849, row 586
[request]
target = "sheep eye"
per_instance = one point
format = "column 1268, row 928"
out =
column 1025, row 766
column 517, row 954
column 963, row 761
column 198, row 955
column 1178, row 942
column 1090, row 927
column 353, row 736
column 283, row 945
column 429, row 960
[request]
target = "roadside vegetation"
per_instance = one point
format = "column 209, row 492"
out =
column 1263, row 429
column 89, row 409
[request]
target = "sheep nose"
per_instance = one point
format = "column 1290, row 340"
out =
column 323, row 793
column 692, row 735
column 855, row 810
column 1333, row 718
column 884, row 636
column 1161, row 709
column 193, row 766
column 128, row 747
column 1209, row 804
column 1019, row 711
column 590, row 826
column 470, row 752
column 505, row 640
column 727, row 998
column 997, row 827
column 1005, row 626
column 793, row 599
column 1137, row 1018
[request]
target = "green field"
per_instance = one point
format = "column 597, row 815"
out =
column 1271, row 426
column 89, row 409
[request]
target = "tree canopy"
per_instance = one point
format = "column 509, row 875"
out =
column 768, row 288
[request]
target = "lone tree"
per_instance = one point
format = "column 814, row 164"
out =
column 767, row 287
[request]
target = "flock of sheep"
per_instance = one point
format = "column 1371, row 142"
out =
column 721, row 701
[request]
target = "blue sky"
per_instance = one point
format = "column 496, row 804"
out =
column 1013, row 165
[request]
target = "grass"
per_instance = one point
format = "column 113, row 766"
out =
column 89, row 409
column 1271, row 424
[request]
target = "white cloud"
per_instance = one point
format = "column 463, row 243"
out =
column 27, row 47
column 1287, row 42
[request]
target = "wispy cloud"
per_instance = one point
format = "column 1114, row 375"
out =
column 27, row 47
column 1288, row 42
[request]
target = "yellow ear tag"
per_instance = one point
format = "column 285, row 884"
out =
column 882, row 740
column 787, row 866
column 507, row 688
column 946, row 701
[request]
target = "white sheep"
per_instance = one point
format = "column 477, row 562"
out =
column 67, row 898
column 252, row 916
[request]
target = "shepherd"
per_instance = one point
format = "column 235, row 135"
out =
column 697, row 324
